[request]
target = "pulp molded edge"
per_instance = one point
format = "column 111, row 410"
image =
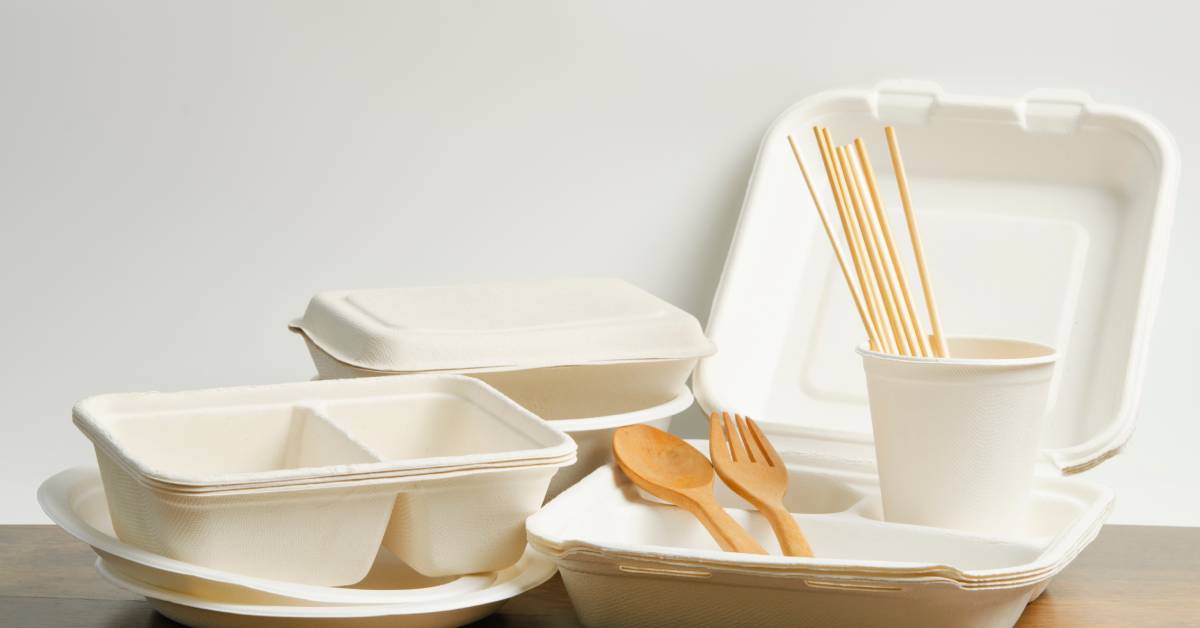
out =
column 561, row 451
column 1057, row 554
column 297, row 329
column 682, row 401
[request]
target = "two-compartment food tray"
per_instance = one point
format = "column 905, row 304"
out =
column 304, row 482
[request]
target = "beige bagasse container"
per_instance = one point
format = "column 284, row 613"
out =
column 629, row 560
column 589, row 355
column 75, row 499
column 304, row 482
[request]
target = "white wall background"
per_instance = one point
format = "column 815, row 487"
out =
column 177, row 178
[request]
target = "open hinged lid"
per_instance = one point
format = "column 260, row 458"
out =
column 514, row 325
column 1043, row 219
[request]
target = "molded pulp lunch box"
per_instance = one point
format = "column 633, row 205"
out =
column 590, row 355
column 627, row 560
column 1043, row 219
column 304, row 482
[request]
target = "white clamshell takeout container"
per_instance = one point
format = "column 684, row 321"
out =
column 1043, row 218
column 591, row 355
column 303, row 482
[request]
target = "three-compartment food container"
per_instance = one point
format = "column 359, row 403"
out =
column 590, row 355
column 629, row 560
column 304, row 482
column 1043, row 218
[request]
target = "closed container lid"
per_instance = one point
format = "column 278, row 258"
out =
column 1043, row 218
column 500, row 325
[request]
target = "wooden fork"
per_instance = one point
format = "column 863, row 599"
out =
column 749, row 464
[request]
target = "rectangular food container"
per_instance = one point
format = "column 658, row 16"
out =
column 302, row 482
column 1043, row 218
column 591, row 355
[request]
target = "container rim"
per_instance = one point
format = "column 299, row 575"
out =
column 297, row 328
column 550, row 531
column 682, row 400
column 1041, row 354
column 549, row 445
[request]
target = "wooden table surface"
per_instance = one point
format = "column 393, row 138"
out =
column 1130, row 576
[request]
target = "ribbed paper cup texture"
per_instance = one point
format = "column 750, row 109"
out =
column 957, row 439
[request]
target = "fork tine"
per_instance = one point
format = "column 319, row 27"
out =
column 765, row 445
column 718, row 447
column 746, row 438
column 735, row 444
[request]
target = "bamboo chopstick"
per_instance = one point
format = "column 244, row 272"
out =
column 837, row 249
column 852, row 241
column 935, row 322
column 874, row 246
column 872, row 286
column 904, row 340
column 881, row 296
column 865, row 253
column 909, row 313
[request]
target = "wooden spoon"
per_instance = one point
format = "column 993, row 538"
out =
column 668, row 468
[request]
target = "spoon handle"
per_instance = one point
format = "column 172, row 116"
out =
column 728, row 533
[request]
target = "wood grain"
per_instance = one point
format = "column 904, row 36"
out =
column 668, row 468
column 853, row 242
column 935, row 320
column 748, row 463
column 912, row 324
column 833, row 243
column 1130, row 576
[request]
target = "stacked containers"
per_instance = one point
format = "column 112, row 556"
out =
column 303, row 482
column 75, row 500
column 629, row 561
column 591, row 355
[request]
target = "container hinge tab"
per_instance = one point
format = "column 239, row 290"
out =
column 905, row 102
column 1057, row 111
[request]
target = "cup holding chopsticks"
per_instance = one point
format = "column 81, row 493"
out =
column 957, row 422
column 956, row 439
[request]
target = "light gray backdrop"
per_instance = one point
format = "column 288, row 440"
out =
column 177, row 178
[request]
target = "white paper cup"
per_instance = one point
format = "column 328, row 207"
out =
column 956, row 439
